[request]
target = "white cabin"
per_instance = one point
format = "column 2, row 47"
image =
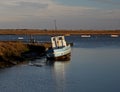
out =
column 58, row 41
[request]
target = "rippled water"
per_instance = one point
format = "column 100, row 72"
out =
column 94, row 67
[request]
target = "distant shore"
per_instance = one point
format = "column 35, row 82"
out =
column 57, row 32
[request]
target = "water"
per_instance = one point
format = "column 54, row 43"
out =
column 94, row 67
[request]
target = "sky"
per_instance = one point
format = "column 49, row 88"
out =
column 69, row 14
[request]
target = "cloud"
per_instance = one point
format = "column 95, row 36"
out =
column 57, row 10
column 21, row 9
column 30, row 5
column 39, row 12
column 109, row 2
column 23, row 4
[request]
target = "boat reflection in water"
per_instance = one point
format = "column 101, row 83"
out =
column 60, row 50
column 60, row 75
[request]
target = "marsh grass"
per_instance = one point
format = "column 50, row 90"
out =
column 12, row 53
column 11, row 50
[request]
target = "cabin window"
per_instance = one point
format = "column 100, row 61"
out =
column 60, row 38
column 53, row 39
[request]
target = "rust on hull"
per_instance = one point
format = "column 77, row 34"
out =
column 61, row 58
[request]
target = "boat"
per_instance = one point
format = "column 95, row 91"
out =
column 20, row 38
column 114, row 35
column 85, row 36
column 59, row 50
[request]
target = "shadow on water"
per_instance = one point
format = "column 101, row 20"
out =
column 57, row 71
column 44, row 62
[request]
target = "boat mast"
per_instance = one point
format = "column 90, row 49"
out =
column 55, row 25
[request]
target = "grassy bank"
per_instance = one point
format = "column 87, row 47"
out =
column 10, row 53
column 15, row 52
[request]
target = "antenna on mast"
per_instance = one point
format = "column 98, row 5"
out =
column 55, row 25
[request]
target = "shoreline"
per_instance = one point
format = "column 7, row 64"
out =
column 57, row 32
column 13, row 53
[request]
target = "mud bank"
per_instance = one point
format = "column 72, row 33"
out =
column 12, row 53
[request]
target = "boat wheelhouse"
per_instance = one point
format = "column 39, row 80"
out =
column 60, row 50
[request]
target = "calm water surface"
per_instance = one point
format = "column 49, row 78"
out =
column 94, row 67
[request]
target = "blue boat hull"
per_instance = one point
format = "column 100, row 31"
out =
column 61, row 53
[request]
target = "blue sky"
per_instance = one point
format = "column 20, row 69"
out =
column 69, row 14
